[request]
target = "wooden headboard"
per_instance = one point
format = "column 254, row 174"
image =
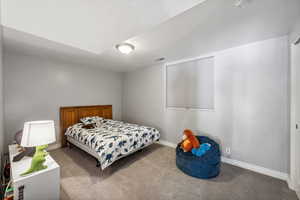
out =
column 72, row 115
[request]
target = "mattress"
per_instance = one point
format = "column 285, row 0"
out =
column 112, row 139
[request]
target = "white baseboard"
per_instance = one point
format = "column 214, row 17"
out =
column 291, row 185
column 166, row 143
column 294, row 186
column 255, row 168
column 54, row 146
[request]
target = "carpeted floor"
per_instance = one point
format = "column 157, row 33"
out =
column 152, row 174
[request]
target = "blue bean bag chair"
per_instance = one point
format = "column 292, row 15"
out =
column 206, row 166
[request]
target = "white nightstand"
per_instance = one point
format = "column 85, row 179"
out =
column 41, row 185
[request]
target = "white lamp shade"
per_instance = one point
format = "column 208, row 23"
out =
column 36, row 133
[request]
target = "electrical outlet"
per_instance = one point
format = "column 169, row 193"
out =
column 238, row 3
column 228, row 151
column 241, row 3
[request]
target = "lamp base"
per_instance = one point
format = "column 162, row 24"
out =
column 37, row 162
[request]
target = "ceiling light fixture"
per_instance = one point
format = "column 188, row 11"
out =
column 125, row 48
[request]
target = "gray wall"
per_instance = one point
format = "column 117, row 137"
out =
column 295, row 32
column 1, row 96
column 294, row 137
column 35, row 88
column 251, row 98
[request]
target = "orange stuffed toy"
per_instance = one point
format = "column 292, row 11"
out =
column 189, row 141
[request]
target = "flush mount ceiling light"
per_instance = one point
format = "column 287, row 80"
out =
column 125, row 48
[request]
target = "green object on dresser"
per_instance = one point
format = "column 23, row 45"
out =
column 38, row 160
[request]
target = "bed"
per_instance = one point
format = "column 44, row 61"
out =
column 108, row 140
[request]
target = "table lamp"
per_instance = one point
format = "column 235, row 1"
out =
column 38, row 134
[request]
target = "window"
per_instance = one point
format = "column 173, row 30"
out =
column 191, row 84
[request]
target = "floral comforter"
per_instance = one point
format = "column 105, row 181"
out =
column 114, row 139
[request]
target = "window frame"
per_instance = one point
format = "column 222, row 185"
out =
column 165, row 75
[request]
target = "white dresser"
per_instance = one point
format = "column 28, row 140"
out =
column 41, row 185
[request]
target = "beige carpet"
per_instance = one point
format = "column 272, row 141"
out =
column 152, row 174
